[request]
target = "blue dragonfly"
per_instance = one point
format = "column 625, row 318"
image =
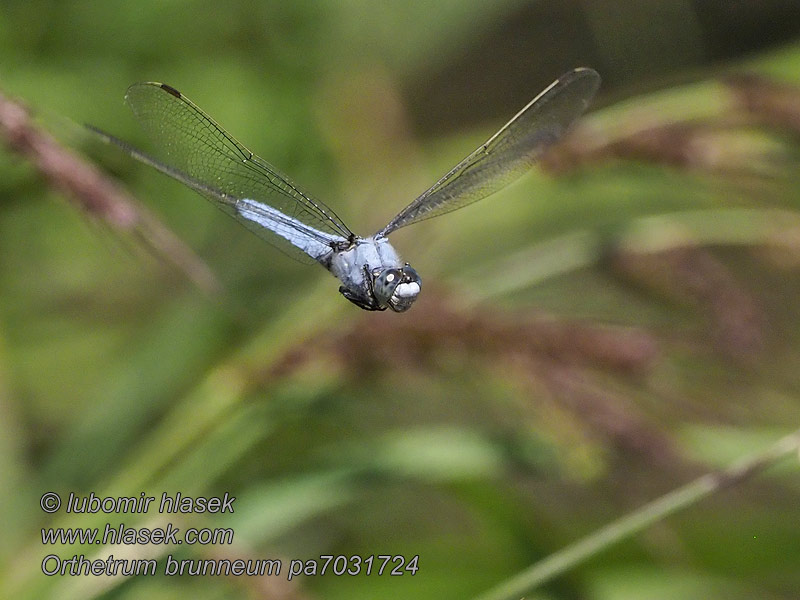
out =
column 202, row 155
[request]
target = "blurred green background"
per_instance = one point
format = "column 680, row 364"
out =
column 594, row 336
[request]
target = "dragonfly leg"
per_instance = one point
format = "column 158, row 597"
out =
column 365, row 297
column 367, row 302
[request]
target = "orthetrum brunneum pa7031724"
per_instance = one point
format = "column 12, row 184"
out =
column 202, row 155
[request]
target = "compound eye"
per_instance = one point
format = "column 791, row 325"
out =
column 406, row 291
column 385, row 284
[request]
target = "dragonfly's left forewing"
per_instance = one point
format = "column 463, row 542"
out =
column 508, row 153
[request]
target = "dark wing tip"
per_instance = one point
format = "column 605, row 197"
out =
column 170, row 90
column 155, row 84
column 136, row 88
column 586, row 73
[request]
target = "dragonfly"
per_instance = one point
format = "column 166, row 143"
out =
column 199, row 153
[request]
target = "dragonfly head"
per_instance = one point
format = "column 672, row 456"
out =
column 397, row 288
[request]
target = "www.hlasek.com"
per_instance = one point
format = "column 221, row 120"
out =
column 116, row 535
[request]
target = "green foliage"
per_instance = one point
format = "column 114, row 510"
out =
column 586, row 342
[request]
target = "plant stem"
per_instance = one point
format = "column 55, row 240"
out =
column 569, row 557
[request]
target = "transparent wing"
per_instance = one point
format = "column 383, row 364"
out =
column 508, row 153
column 202, row 155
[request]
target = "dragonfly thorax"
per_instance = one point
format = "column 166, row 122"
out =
column 374, row 277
